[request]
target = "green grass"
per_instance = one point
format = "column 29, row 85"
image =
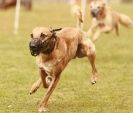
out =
column 113, row 92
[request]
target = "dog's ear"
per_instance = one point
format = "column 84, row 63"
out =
column 31, row 35
column 51, row 29
column 91, row 1
column 54, row 30
column 104, row 2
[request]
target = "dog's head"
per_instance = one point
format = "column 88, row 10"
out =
column 42, row 40
column 97, row 7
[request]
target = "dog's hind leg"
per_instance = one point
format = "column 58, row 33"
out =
column 94, row 70
column 91, row 54
column 87, row 48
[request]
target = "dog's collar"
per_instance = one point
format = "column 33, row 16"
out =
column 49, row 45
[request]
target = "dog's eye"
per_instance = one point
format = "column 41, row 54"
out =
column 43, row 35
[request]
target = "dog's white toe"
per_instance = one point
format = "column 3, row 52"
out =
column 93, row 82
column 33, row 90
column 42, row 109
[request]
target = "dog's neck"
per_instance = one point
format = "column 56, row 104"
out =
column 48, row 61
column 50, row 45
column 101, row 16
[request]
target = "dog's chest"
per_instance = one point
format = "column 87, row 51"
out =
column 101, row 23
column 47, row 66
column 107, row 21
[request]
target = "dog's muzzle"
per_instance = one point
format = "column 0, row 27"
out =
column 94, row 13
column 35, row 46
column 38, row 46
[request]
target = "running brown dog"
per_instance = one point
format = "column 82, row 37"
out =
column 53, row 49
column 104, row 19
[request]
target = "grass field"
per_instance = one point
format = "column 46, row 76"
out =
column 113, row 92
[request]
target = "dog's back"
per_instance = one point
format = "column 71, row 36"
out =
column 70, row 33
column 70, row 38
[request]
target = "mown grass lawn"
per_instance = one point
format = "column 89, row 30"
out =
column 113, row 92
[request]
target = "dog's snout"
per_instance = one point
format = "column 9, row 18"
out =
column 34, row 42
column 34, row 46
column 94, row 12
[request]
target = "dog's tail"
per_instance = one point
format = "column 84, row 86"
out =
column 80, row 16
column 77, row 11
column 126, row 21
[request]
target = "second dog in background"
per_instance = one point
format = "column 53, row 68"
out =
column 104, row 19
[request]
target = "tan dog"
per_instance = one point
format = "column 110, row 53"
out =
column 53, row 51
column 105, row 20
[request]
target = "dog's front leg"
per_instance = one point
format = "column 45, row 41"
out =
column 55, row 79
column 105, row 29
column 43, row 76
column 43, row 104
column 93, row 28
column 88, row 49
column 96, row 35
column 35, row 86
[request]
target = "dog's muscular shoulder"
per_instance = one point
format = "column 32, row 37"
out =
column 69, row 33
column 70, row 37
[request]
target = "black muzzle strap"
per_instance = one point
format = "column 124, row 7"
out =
column 46, row 46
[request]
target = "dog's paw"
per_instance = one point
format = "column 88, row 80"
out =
column 33, row 90
column 93, row 82
column 42, row 109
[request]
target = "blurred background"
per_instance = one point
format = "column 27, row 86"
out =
column 31, row 6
